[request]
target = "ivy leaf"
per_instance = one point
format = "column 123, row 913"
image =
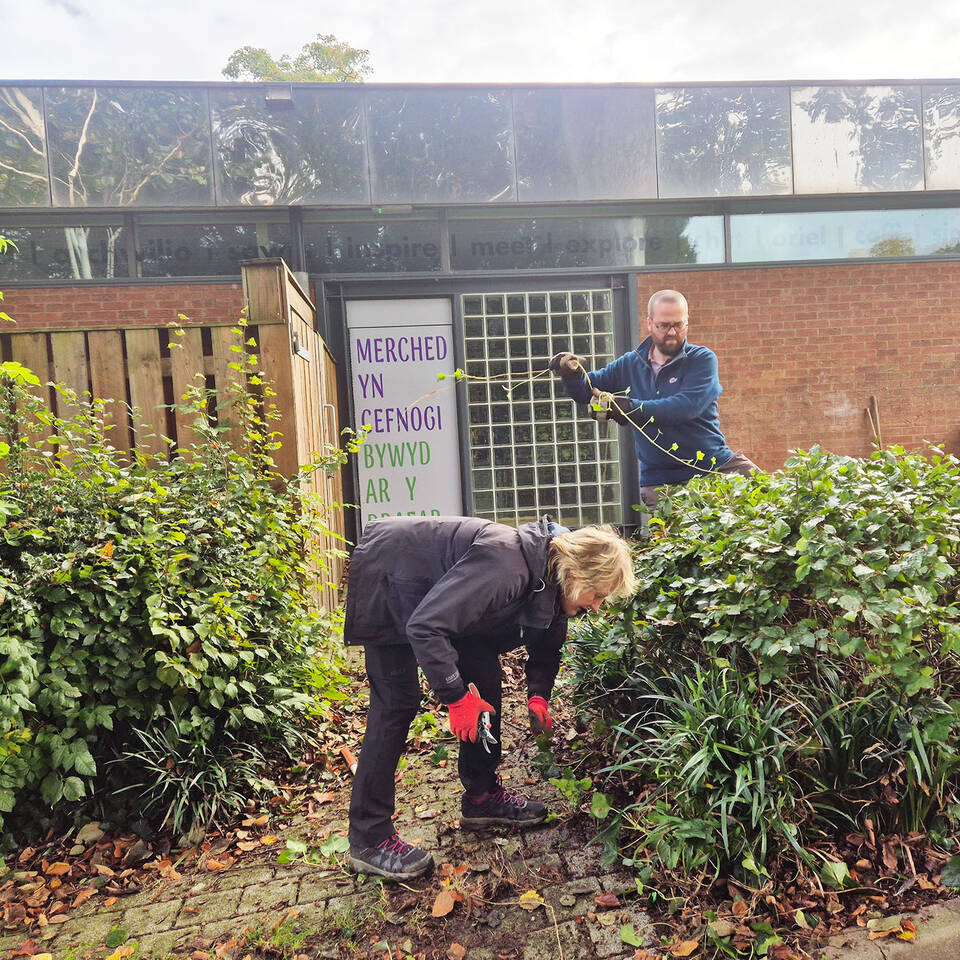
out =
column 950, row 875
column 599, row 805
column 629, row 935
column 115, row 937
column 73, row 789
column 837, row 875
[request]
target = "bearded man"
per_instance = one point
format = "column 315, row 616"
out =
column 668, row 388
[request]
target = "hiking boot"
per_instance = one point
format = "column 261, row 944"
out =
column 392, row 858
column 501, row 809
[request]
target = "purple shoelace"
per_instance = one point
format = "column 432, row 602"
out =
column 396, row 844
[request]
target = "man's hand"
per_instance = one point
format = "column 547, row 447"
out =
column 540, row 719
column 568, row 365
column 465, row 713
column 613, row 407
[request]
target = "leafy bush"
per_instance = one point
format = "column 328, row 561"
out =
column 155, row 614
column 789, row 664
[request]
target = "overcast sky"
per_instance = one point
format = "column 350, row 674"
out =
column 436, row 41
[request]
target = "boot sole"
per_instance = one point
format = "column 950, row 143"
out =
column 360, row 866
column 479, row 823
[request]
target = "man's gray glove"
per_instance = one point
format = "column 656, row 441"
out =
column 612, row 407
column 567, row 365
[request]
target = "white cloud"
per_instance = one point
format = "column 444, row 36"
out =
column 495, row 41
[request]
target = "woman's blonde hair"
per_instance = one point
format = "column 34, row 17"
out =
column 592, row 558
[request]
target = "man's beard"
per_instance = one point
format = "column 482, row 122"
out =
column 671, row 348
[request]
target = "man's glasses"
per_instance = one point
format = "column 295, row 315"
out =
column 667, row 327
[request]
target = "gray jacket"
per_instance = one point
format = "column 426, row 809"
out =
column 434, row 582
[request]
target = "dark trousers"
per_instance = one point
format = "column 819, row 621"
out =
column 394, row 702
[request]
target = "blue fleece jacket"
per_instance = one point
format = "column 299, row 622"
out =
column 677, row 405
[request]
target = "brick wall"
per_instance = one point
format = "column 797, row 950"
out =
column 113, row 305
column 802, row 349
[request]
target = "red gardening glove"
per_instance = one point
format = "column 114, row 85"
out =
column 465, row 713
column 540, row 719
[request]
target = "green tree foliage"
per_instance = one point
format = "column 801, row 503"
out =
column 157, row 635
column 788, row 669
column 323, row 59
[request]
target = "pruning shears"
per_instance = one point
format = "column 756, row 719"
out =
column 484, row 725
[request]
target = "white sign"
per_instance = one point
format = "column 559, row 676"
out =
column 409, row 464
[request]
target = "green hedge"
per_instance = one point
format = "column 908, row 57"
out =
column 788, row 668
column 156, row 633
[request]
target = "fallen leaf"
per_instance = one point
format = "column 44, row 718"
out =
column 456, row 951
column 606, row 901
column 191, row 909
column 443, row 904
column 325, row 797
column 247, row 845
column 26, row 854
column 222, row 948
column 740, row 908
column 60, row 918
column 269, row 840
column 884, row 927
column 43, row 956
column 57, row 869
column 103, row 870
column 530, row 900
column 123, row 951
column 722, row 928
column 257, row 821
column 26, row 949
column 684, row 948
column 110, row 901
column 216, row 865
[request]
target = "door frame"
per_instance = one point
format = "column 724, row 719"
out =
column 334, row 294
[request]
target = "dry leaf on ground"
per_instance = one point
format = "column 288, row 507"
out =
column 443, row 904
column 606, row 901
column 530, row 900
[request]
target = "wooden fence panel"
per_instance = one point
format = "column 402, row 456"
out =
column 273, row 345
column 145, row 373
column 108, row 381
column 130, row 367
column 30, row 349
column 70, row 367
column 186, row 362
column 224, row 376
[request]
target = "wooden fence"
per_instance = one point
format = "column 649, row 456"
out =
column 137, row 366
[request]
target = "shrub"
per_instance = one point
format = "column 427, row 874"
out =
column 789, row 662
column 155, row 613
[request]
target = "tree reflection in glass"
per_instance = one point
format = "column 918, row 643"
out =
column 23, row 163
column 848, row 139
column 723, row 141
column 941, row 125
column 123, row 146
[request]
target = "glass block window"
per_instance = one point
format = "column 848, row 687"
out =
column 531, row 450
